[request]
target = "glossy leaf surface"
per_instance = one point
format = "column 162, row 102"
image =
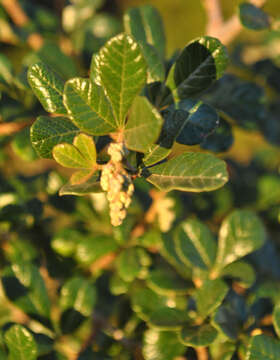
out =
column 89, row 107
column 143, row 126
column 189, row 172
column 200, row 63
column 48, row 87
column 240, row 234
column 123, row 73
column 47, row 132
column 195, row 244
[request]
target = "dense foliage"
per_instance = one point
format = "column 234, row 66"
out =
column 161, row 242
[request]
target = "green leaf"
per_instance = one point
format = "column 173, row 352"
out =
column 20, row 343
column 268, row 191
column 163, row 345
column 47, row 132
column 81, row 155
column 89, row 107
column 195, row 244
column 241, row 233
column 78, row 294
column 166, row 282
column 93, row 248
column 253, row 17
column 65, row 241
column 209, row 296
column 94, row 76
column 91, row 185
column 6, row 71
column 51, row 54
column 168, row 319
column 241, row 272
column 276, row 319
column 145, row 302
column 48, row 87
column 201, row 122
column 30, row 294
column 201, row 62
column 169, row 252
column 156, row 70
column 194, row 172
column 86, row 146
column 123, row 73
column 198, row 335
column 263, row 347
column 145, row 25
column 22, row 146
column 155, row 154
column 130, row 263
column 143, row 126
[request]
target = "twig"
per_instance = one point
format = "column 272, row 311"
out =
column 226, row 31
column 202, row 353
column 20, row 19
column 13, row 127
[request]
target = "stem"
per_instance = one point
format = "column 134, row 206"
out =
column 217, row 27
column 12, row 127
column 202, row 353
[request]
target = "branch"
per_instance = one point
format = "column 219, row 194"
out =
column 226, row 31
column 13, row 127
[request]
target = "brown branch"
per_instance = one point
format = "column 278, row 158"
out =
column 13, row 127
column 20, row 19
column 202, row 353
column 226, row 31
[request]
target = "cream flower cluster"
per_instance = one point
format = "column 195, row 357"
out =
column 116, row 181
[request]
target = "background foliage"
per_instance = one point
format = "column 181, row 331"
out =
column 187, row 276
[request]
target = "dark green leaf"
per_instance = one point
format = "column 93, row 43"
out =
column 123, row 73
column 194, row 172
column 253, row 17
column 163, row 345
column 209, row 296
column 195, row 244
column 89, row 107
column 47, row 132
column 20, row 343
column 221, row 139
column 143, row 126
column 168, row 319
column 166, row 282
column 240, row 234
column 199, row 335
column 201, row 122
column 48, row 87
column 263, row 347
column 25, row 286
column 145, row 25
column 78, row 294
column 201, row 63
